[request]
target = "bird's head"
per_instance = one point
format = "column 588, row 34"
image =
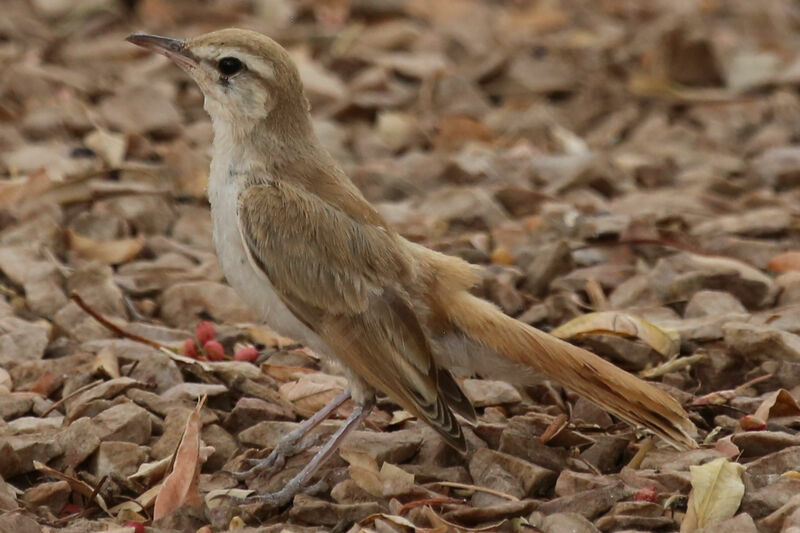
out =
column 246, row 77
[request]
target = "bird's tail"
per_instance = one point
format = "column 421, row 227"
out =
column 610, row 387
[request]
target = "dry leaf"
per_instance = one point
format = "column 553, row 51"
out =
column 107, row 252
column 106, row 361
column 312, row 392
column 665, row 342
column 717, row 491
column 181, row 486
column 111, row 147
column 439, row 522
column 776, row 404
column 17, row 190
column 76, row 485
column 389, row 480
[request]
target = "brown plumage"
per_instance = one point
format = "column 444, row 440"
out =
column 302, row 245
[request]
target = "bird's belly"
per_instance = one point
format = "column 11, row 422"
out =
column 251, row 283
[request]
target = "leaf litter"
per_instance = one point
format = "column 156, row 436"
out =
column 628, row 174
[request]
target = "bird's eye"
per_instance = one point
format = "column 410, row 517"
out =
column 229, row 66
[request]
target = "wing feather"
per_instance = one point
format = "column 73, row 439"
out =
column 344, row 278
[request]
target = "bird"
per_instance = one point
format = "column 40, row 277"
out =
column 301, row 244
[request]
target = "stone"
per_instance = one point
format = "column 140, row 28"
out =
column 756, row 344
column 761, row 443
column 590, row 503
column 18, row 523
column 741, row 523
column 549, row 262
column 508, row 474
column 521, row 439
column 789, row 284
column 185, row 304
column 79, row 440
column 306, row 509
column 22, row 341
column 572, row 522
column 763, row 222
column 779, row 167
column 638, row 523
column 52, row 494
column 44, row 292
column 24, row 450
column 606, row 453
column 763, row 501
column 141, row 109
column 570, row 482
column 14, row 405
column 267, row 434
column 117, row 458
column 225, row 446
column 393, row 447
column 678, row 277
column 126, row 422
column 249, row 411
column 763, row 471
column 710, row 303
column 484, row 392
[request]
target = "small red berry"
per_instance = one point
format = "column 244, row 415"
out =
column 214, row 351
column 189, row 348
column 752, row 423
column 646, row 495
column 138, row 527
column 205, row 332
column 69, row 509
column 248, row 353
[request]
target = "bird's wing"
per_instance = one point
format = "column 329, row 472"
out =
column 344, row 279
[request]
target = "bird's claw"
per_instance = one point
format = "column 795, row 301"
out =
column 275, row 460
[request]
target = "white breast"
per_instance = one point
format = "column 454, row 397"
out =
column 250, row 282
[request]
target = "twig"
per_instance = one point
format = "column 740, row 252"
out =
column 69, row 396
column 476, row 488
column 113, row 327
column 429, row 501
column 672, row 365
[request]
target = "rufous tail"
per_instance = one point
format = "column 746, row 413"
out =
column 594, row 378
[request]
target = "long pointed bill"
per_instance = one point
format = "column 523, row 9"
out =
column 174, row 49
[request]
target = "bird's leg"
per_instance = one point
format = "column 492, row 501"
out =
column 296, row 484
column 290, row 444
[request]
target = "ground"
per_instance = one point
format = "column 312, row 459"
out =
column 627, row 172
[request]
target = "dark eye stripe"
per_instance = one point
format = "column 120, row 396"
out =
column 228, row 66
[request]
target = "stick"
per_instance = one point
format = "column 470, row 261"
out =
column 113, row 327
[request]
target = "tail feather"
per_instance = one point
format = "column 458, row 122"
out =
column 610, row 387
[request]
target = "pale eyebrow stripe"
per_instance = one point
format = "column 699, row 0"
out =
column 252, row 62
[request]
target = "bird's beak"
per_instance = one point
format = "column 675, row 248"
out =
column 175, row 49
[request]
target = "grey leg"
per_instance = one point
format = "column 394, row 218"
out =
column 296, row 484
column 288, row 446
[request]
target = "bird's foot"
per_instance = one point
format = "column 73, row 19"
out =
column 275, row 460
column 282, row 497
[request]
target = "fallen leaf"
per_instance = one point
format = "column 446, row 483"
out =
column 181, row 486
column 776, row 404
column 111, row 147
column 665, row 342
column 106, row 361
column 716, row 494
column 107, row 252
column 81, row 487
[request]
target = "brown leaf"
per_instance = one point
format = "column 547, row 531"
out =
column 181, row 486
column 107, row 252
column 664, row 342
column 777, row 403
